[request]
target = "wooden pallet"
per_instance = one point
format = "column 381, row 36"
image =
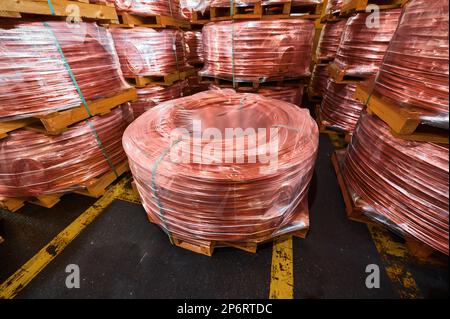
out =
column 403, row 123
column 95, row 187
column 353, row 6
column 57, row 122
column 81, row 9
column 165, row 80
column 341, row 76
column 201, row 18
column 276, row 81
column 355, row 212
column 126, row 20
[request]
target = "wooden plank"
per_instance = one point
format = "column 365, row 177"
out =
column 165, row 80
column 350, row 7
column 9, row 126
column 341, row 76
column 127, row 20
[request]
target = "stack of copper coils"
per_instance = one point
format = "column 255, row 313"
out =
column 415, row 71
column 196, row 192
column 35, row 78
column 363, row 45
column 145, row 51
column 148, row 7
column 194, row 47
column 258, row 50
column 403, row 183
column 319, row 79
column 339, row 110
column 152, row 95
column 33, row 164
column 329, row 40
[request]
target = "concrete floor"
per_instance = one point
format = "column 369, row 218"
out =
column 122, row 255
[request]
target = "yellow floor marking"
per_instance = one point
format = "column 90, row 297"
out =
column 282, row 274
column 394, row 255
column 129, row 195
column 22, row 277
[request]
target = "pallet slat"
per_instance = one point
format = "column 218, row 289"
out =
column 166, row 80
column 353, row 6
column 341, row 76
column 126, row 20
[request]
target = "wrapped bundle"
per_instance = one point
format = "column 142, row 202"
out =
column 319, row 79
column 152, row 95
column 329, row 40
column 189, row 6
column 34, row 78
column 363, row 46
column 402, row 183
column 414, row 74
column 169, row 8
column 339, row 109
column 194, row 44
column 197, row 192
column 145, row 51
column 258, row 50
column 33, row 164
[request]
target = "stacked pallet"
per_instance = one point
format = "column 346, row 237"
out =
column 62, row 94
column 393, row 172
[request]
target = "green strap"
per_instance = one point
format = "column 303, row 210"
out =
column 51, row 7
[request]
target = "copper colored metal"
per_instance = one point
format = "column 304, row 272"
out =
column 339, row 109
column 404, row 183
column 258, row 50
column 145, row 51
column 364, row 44
column 148, row 7
column 415, row 72
column 194, row 44
column 152, row 95
column 216, row 200
column 33, row 163
column 196, row 85
column 334, row 5
column 319, row 79
column 329, row 40
column 34, row 78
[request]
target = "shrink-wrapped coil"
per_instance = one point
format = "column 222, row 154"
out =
column 329, row 40
column 319, row 79
column 169, row 8
column 33, row 163
column 37, row 60
column 194, row 47
column 404, row 184
column 145, row 51
column 258, row 50
column 195, row 192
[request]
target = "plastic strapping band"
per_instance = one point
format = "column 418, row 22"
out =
column 155, row 193
column 170, row 8
column 72, row 76
column 232, row 43
column 174, row 49
column 51, row 7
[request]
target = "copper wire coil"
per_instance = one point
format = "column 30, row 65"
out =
column 34, row 77
column 405, row 183
column 363, row 46
column 194, row 44
column 223, row 201
column 145, row 51
column 339, row 109
column 148, row 7
column 258, row 50
column 334, row 5
column 329, row 40
column 152, row 95
column 33, row 163
column 414, row 74
column 319, row 79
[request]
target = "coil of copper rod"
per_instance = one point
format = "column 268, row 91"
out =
column 152, row 95
column 414, row 74
column 403, row 182
column 339, row 109
column 33, row 163
column 205, row 196
column 329, row 40
column 148, row 7
column 319, row 79
column 364, row 43
column 258, row 50
column 194, row 44
column 145, row 51
column 34, row 76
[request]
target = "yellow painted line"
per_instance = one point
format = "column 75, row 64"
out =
column 22, row 277
column 282, row 273
column 129, row 195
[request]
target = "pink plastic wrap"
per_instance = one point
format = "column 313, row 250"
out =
column 169, row 8
column 402, row 183
column 414, row 75
column 363, row 45
column 212, row 198
column 319, row 79
column 194, row 43
column 33, row 163
column 329, row 40
column 339, row 109
column 258, row 50
column 152, row 95
column 34, row 77
column 145, row 51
